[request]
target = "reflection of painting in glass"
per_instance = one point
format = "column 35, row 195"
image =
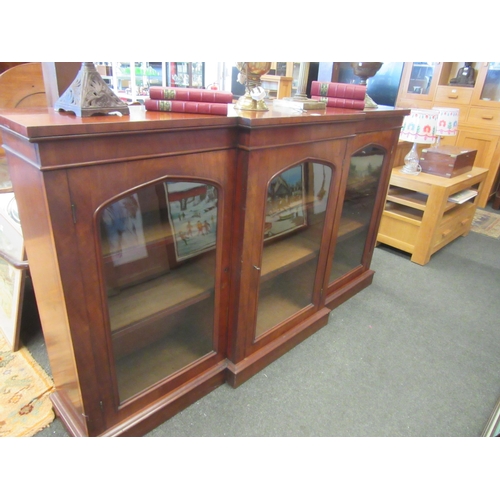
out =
column 122, row 221
column 362, row 185
column 322, row 176
column 193, row 216
column 285, row 202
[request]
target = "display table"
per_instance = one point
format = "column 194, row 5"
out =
column 418, row 217
column 171, row 252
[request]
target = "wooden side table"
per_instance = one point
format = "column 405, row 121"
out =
column 418, row 217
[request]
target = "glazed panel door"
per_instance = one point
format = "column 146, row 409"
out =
column 289, row 216
column 354, row 243
column 154, row 236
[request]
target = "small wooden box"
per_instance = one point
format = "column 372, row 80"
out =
column 447, row 161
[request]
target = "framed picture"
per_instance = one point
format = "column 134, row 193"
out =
column 286, row 202
column 192, row 213
column 12, row 270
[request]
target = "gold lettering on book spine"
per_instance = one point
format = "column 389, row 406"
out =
column 165, row 106
column 169, row 94
column 323, row 91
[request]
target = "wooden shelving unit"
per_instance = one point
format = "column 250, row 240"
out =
column 418, row 217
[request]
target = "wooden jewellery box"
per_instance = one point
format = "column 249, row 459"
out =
column 447, row 161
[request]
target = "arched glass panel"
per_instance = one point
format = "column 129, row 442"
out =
column 158, row 251
column 362, row 185
column 295, row 215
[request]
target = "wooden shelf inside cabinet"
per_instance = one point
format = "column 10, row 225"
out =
column 286, row 254
column 349, row 226
column 179, row 288
column 419, row 219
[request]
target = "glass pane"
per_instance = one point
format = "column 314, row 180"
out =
column 362, row 184
column 295, row 77
column 295, row 215
column 491, row 89
column 158, row 248
column 186, row 74
column 281, row 68
column 421, row 78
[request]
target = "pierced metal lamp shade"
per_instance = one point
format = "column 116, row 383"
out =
column 90, row 95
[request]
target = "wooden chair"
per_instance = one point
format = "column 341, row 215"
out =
column 21, row 86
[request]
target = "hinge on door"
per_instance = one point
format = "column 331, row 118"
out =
column 73, row 212
column 101, row 405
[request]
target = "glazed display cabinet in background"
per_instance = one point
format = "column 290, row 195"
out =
column 171, row 252
column 479, row 104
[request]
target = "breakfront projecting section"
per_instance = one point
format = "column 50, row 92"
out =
column 294, row 222
column 171, row 253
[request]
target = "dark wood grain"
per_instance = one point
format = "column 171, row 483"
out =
column 66, row 169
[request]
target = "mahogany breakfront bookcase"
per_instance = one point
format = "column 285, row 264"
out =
column 171, row 252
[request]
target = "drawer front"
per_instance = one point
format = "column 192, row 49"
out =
column 454, row 227
column 484, row 117
column 453, row 95
column 398, row 233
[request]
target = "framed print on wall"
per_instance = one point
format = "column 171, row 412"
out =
column 12, row 270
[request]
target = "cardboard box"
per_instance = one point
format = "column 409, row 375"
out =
column 447, row 161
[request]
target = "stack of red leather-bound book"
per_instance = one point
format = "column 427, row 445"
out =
column 339, row 95
column 186, row 100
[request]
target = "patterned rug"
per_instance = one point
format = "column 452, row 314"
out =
column 486, row 223
column 25, row 407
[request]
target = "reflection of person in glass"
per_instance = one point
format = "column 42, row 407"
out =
column 121, row 219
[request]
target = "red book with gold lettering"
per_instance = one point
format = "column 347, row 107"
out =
column 182, row 94
column 336, row 102
column 207, row 108
column 338, row 90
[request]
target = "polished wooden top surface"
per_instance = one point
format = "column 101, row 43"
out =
column 36, row 123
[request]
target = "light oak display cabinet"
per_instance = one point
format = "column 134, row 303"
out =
column 171, row 253
column 427, row 85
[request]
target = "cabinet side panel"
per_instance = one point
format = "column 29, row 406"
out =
column 42, row 256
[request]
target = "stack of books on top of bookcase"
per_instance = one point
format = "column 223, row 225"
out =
column 182, row 100
column 339, row 95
